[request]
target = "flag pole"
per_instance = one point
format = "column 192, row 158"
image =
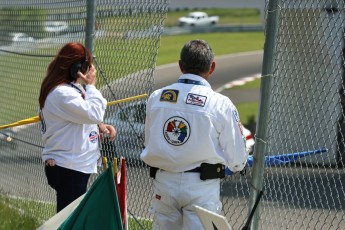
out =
column 105, row 163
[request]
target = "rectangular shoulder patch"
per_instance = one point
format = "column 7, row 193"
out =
column 195, row 99
column 169, row 95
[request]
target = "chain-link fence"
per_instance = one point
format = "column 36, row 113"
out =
column 302, row 110
column 124, row 37
column 301, row 107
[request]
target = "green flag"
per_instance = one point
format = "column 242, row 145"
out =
column 100, row 207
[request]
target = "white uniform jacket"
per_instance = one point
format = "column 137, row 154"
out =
column 188, row 124
column 69, row 127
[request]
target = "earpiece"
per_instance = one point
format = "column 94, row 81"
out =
column 81, row 66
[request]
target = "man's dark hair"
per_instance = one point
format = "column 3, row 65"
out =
column 196, row 57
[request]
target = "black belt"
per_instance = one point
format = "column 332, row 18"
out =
column 197, row 169
column 153, row 171
column 207, row 171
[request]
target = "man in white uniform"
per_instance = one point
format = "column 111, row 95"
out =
column 191, row 134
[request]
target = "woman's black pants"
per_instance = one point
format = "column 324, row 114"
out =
column 68, row 184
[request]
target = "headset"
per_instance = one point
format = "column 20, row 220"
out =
column 81, row 66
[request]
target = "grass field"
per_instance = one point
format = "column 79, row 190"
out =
column 221, row 43
column 22, row 214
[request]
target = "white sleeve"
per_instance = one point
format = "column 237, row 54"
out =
column 233, row 141
column 71, row 106
column 147, row 121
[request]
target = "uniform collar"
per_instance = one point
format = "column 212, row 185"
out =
column 195, row 78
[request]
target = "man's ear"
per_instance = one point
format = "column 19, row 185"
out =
column 180, row 63
column 213, row 67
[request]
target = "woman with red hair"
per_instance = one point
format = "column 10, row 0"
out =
column 71, row 112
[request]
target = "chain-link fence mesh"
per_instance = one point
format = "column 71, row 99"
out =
column 305, row 113
column 125, row 40
column 305, row 109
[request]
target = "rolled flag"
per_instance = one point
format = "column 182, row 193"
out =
column 276, row 160
column 120, row 182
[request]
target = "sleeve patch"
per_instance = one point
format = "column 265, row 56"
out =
column 169, row 95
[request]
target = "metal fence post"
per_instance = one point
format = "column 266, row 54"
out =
column 90, row 24
column 260, row 137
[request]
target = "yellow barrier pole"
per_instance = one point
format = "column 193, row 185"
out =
column 37, row 119
column 22, row 122
column 126, row 99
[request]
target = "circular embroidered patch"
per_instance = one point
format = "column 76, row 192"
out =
column 93, row 136
column 176, row 131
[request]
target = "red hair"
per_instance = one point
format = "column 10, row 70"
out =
column 58, row 71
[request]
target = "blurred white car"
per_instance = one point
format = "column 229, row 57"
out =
column 55, row 27
column 21, row 38
column 198, row 19
column 129, row 122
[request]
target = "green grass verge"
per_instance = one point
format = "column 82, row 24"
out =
column 23, row 214
column 247, row 112
column 139, row 223
column 221, row 43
